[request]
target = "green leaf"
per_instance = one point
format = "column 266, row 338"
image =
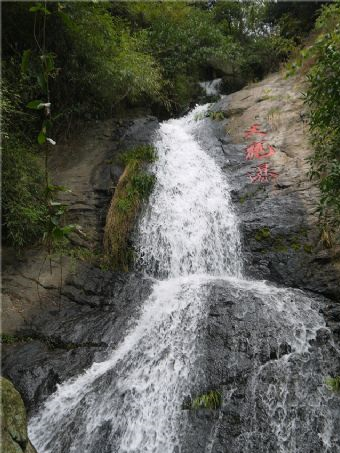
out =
column 41, row 138
column 55, row 220
column 68, row 229
column 48, row 61
column 53, row 188
column 35, row 105
column 25, row 60
column 66, row 19
column 38, row 7
column 58, row 233
column 41, row 81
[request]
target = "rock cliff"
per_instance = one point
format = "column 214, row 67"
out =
column 279, row 219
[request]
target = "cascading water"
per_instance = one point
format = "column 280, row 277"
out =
column 211, row 87
column 190, row 226
column 188, row 239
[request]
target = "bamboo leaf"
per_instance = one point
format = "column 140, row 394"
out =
column 41, row 138
column 35, row 105
column 25, row 60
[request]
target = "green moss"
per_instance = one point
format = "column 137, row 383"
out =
column 280, row 245
column 308, row 248
column 263, row 234
column 296, row 246
column 303, row 232
column 333, row 384
column 14, row 421
column 8, row 339
column 244, row 198
column 134, row 186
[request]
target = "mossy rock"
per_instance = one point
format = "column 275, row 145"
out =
column 14, row 437
column 263, row 234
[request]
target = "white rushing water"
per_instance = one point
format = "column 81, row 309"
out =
column 190, row 226
column 211, row 87
column 188, row 237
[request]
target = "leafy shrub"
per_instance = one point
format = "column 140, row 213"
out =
column 23, row 208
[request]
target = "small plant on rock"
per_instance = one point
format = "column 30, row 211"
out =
column 209, row 400
column 333, row 384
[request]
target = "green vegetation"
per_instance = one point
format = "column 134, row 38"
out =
column 333, row 384
column 12, row 339
column 263, row 234
column 323, row 97
column 209, row 400
column 296, row 242
column 133, row 187
column 308, row 248
column 23, row 210
column 64, row 63
column 217, row 116
column 320, row 61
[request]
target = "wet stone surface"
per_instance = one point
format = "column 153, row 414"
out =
column 269, row 355
column 59, row 344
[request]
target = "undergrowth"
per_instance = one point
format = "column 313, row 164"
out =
column 23, row 199
column 134, row 186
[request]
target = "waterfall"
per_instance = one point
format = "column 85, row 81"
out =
column 211, row 87
column 188, row 240
column 190, row 226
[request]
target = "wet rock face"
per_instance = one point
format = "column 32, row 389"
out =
column 97, row 308
column 60, row 329
column 268, row 352
column 14, row 437
column 279, row 219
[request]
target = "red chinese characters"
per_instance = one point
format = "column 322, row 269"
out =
column 254, row 130
column 259, row 150
column 263, row 174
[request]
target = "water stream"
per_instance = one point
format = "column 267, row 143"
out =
column 188, row 241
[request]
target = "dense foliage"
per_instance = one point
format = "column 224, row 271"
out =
column 23, row 209
column 323, row 97
column 94, row 59
column 320, row 61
